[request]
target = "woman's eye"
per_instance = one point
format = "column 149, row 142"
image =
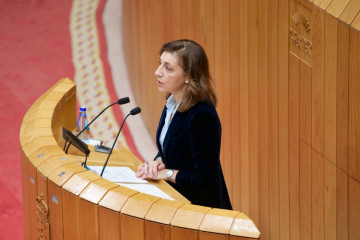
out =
column 168, row 68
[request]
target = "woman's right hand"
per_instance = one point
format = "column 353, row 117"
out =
column 150, row 169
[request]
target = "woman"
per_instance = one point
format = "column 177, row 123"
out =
column 189, row 132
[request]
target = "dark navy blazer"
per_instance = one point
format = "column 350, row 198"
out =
column 192, row 145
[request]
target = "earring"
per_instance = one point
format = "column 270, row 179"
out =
column 186, row 81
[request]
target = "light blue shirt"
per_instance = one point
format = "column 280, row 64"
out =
column 170, row 112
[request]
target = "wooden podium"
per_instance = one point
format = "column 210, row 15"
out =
column 62, row 200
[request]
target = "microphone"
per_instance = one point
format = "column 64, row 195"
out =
column 121, row 101
column 133, row 111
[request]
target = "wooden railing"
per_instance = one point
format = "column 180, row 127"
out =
column 62, row 200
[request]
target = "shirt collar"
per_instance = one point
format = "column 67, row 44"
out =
column 170, row 102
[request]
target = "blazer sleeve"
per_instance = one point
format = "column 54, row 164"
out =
column 204, row 138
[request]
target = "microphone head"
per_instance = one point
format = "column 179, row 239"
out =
column 135, row 111
column 123, row 100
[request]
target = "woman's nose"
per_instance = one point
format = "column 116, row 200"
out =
column 158, row 72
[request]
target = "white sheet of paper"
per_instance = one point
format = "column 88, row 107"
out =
column 118, row 174
column 148, row 189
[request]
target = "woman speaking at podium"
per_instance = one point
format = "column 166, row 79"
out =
column 189, row 132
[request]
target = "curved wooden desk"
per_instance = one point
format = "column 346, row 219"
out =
column 62, row 200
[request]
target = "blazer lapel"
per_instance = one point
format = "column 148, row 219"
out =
column 175, row 125
column 160, row 126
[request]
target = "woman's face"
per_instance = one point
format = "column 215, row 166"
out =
column 170, row 76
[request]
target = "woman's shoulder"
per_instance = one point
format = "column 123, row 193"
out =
column 202, row 108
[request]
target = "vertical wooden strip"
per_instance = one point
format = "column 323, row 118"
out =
column 342, row 203
column 354, row 209
column 305, row 192
column 226, row 80
column 317, row 195
column 283, row 65
column 109, row 224
column 25, row 183
column 244, row 105
column 253, row 113
column 330, row 88
column 273, row 117
column 262, row 82
column 132, row 228
column 55, row 214
column 155, row 231
column 88, row 220
column 294, row 144
column 237, row 169
column 305, row 150
column 354, row 106
column 342, row 99
column 70, row 215
column 330, row 200
column 318, row 81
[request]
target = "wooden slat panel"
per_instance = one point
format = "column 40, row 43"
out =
column 354, row 209
column 55, row 215
column 88, row 220
column 284, row 173
column 263, row 131
column 350, row 12
column 305, row 192
column 70, row 215
column 317, row 85
column 25, row 182
column 178, row 233
column 273, row 119
column 317, row 193
column 154, row 231
column 354, row 108
column 253, row 114
column 243, row 9
column 342, row 203
column 109, row 224
column 342, row 98
column 212, row 236
column 135, row 228
column 330, row 200
column 294, row 147
column 236, row 108
column 330, row 88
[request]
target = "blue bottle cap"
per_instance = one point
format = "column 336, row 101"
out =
column 82, row 109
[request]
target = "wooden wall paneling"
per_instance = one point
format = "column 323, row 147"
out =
column 305, row 192
column 273, row 110
column 354, row 109
column 25, row 182
column 70, row 215
column 32, row 200
column 88, row 220
column 330, row 200
column 42, row 194
column 154, row 231
column 178, row 233
column 173, row 23
column 219, row 80
column 294, row 147
column 109, row 221
column 237, row 168
column 317, row 86
column 283, row 81
column 342, row 98
column 318, row 211
column 330, row 126
column 342, row 203
column 305, row 150
column 55, row 215
column 350, row 12
column 134, row 226
column 263, row 124
column 354, row 209
column 330, row 88
column 253, row 113
column 336, row 7
column 243, row 64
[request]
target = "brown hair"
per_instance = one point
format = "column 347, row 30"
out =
column 194, row 62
